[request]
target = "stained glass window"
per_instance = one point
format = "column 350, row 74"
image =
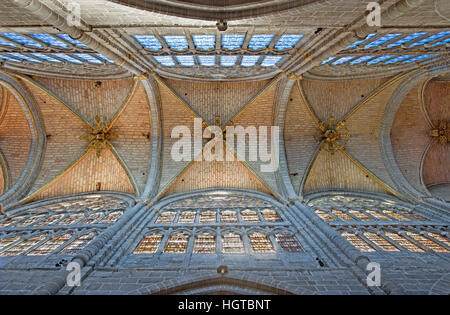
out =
column 46, row 57
column 342, row 60
column 249, row 61
column 270, row 61
column 22, row 246
column 22, row 40
column 208, row 217
column 260, row 243
column 427, row 242
column 74, row 42
column 361, row 59
column 89, row 58
column 359, row 42
column 149, row 42
column 407, row 244
column 358, row 242
column 9, row 222
column 288, row 242
column 328, row 60
column 177, row 42
column 207, row 61
column 325, row 215
column 68, row 58
column 228, row 216
column 430, row 38
column 30, row 220
column 24, row 57
column 49, row 220
column 395, row 215
column 186, row 61
column 112, row 217
column 49, row 246
column 406, row 39
column 381, row 242
column 205, row 244
column 50, row 40
column 149, row 244
column 288, row 41
column 228, row 61
column 419, row 58
column 177, row 243
column 166, row 61
column 381, row 40
column 360, row 215
column 440, row 238
column 342, row 215
column 71, row 219
column 398, row 59
column 378, row 215
column 91, row 219
column 204, row 42
column 232, row 243
column 232, row 41
column 187, row 217
column 5, row 242
column 270, row 215
column 78, row 244
column 249, row 216
column 380, row 59
column 166, row 217
column 260, row 41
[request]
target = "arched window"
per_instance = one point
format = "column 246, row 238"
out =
column 51, row 245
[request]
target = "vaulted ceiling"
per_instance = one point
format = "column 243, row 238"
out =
column 108, row 100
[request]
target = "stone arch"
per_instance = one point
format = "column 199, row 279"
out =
column 231, row 285
column 38, row 140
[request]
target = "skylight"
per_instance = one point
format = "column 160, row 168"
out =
column 260, row 41
column 232, row 41
column 328, row 60
column 398, row 59
column 149, row 42
column 204, row 42
column 6, row 43
column 288, row 41
column 104, row 58
column 177, row 42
